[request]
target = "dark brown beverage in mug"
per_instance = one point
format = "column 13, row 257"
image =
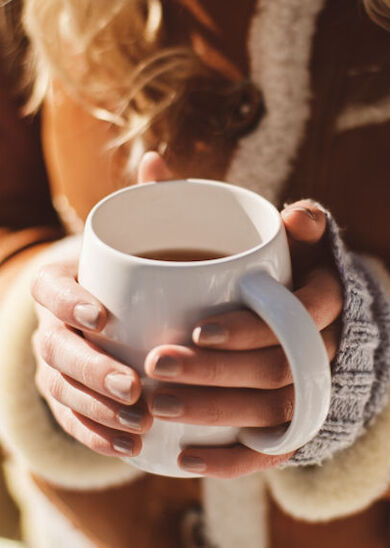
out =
column 182, row 255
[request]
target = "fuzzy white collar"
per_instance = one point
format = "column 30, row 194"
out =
column 280, row 47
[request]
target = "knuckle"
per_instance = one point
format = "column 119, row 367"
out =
column 213, row 414
column 100, row 413
column 86, row 369
column 56, row 387
column 276, row 374
column 214, row 372
column 287, row 410
column 281, row 373
column 236, row 468
column 47, row 343
column 67, row 421
column 231, row 471
column 96, row 442
column 258, row 377
column 63, row 416
column 63, row 302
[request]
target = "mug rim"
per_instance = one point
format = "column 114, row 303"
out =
column 185, row 264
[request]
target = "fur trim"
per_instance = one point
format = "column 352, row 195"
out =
column 235, row 512
column 352, row 479
column 43, row 525
column 356, row 116
column 280, row 46
column 26, row 427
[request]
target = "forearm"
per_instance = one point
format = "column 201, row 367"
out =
column 360, row 371
column 27, row 429
column 349, row 458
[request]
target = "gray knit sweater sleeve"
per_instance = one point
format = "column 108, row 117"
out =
column 361, row 369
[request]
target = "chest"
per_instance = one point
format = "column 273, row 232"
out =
column 325, row 133
column 344, row 159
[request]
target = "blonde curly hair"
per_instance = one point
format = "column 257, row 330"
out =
column 113, row 57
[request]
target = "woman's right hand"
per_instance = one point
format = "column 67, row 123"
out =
column 94, row 397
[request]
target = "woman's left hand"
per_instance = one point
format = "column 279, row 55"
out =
column 236, row 374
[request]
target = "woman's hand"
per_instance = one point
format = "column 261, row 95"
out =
column 236, row 374
column 94, row 397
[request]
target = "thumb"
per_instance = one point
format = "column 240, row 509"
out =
column 153, row 168
column 304, row 221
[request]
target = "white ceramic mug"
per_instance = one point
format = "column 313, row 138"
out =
column 153, row 302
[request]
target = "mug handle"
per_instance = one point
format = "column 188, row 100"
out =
column 307, row 357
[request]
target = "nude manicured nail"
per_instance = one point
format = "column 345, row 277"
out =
column 87, row 315
column 210, row 333
column 193, row 464
column 119, row 385
column 166, row 366
column 165, row 405
column 128, row 416
column 123, row 445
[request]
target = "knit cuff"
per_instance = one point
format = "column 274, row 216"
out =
column 360, row 371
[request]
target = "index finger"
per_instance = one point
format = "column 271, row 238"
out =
column 304, row 221
column 55, row 288
column 244, row 330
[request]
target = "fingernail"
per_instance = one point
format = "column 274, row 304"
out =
column 164, row 405
column 306, row 210
column 210, row 333
column 123, row 445
column 87, row 315
column 193, row 464
column 166, row 366
column 128, row 416
column 119, row 385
